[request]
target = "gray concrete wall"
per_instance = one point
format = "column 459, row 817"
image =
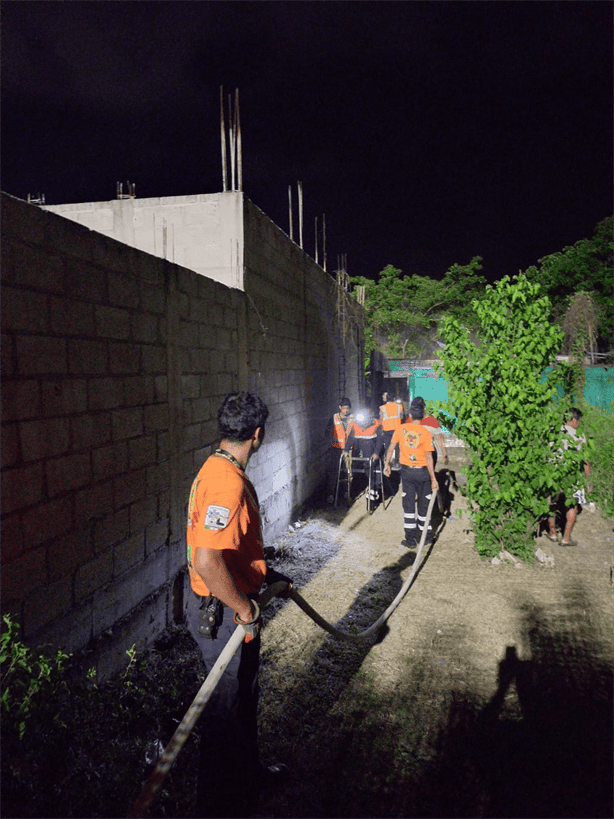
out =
column 114, row 363
column 202, row 232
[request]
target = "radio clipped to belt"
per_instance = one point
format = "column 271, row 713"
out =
column 210, row 616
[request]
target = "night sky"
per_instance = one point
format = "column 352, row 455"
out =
column 427, row 133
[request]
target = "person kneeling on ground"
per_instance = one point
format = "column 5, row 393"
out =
column 559, row 503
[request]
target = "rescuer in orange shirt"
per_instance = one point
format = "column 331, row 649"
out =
column 390, row 416
column 227, row 568
column 417, row 473
column 365, row 439
column 337, row 431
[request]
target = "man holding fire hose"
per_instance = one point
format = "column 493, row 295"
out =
column 227, row 569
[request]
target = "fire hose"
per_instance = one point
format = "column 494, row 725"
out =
column 179, row 738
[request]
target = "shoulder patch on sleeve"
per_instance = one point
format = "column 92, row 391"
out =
column 216, row 517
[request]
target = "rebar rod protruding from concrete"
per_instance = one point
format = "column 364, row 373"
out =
column 324, row 239
column 300, row 214
column 290, row 211
column 233, row 145
column 239, row 150
column 223, row 141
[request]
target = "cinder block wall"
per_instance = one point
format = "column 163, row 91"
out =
column 114, row 363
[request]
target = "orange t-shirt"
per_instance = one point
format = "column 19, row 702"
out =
column 414, row 442
column 223, row 514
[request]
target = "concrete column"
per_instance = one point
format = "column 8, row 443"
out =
column 123, row 221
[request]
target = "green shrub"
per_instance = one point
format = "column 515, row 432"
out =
column 27, row 678
column 508, row 415
column 598, row 427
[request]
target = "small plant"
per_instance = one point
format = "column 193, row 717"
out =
column 131, row 652
column 79, row 749
column 26, row 678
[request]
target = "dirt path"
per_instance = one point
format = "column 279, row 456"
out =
column 490, row 693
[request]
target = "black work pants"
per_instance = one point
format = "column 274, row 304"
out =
column 416, row 483
column 228, row 725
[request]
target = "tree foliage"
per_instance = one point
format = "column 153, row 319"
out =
column 403, row 310
column 579, row 324
column 507, row 414
column 585, row 267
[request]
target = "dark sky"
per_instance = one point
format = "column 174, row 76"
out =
column 427, row 133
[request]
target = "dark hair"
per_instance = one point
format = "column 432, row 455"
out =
column 240, row 415
column 345, row 402
column 575, row 414
column 416, row 409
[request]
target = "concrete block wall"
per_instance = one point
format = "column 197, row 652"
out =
column 295, row 352
column 86, row 529
column 114, row 363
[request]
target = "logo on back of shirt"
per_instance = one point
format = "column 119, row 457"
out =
column 216, row 517
column 411, row 438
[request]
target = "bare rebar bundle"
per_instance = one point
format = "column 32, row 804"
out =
column 131, row 190
column 231, row 145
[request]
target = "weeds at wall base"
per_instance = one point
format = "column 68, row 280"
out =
column 87, row 747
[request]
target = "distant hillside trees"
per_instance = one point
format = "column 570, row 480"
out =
column 404, row 312
column 584, row 268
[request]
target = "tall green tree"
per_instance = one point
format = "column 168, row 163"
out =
column 585, row 267
column 402, row 310
column 507, row 413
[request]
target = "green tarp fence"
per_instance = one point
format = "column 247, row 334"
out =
column 599, row 389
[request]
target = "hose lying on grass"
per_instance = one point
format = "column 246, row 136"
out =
column 179, row 738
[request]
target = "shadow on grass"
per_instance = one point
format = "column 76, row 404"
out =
column 552, row 756
column 541, row 746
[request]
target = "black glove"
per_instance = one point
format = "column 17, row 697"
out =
column 273, row 576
